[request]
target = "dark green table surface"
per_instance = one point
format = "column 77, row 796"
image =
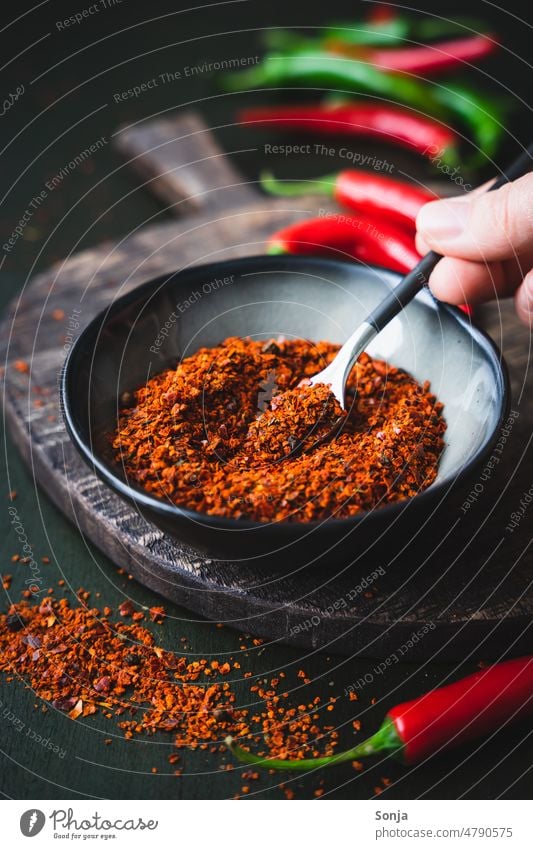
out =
column 93, row 62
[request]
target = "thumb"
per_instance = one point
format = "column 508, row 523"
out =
column 491, row 226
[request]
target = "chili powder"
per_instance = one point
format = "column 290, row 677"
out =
column 193, row 434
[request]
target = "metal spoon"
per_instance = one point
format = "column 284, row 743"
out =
column 336, row 373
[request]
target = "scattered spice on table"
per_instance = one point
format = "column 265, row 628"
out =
column 192, row 435
column 80, row 661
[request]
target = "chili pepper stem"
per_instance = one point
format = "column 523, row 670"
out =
column 287, row 188
column 385, row 739
column 276, row 248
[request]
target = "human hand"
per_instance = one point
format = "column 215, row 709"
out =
column 487, row 242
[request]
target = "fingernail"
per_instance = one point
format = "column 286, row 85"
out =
column 442, row 219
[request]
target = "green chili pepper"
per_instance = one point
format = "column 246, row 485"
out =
column 364, row 33
column 485, row 117
column 283, row 39
column 390, row 33
column 318, row 67
column 396, row 30
column 386, row 739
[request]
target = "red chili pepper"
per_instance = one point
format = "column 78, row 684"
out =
column 331, row 235
column 386, row 123
column 366, row 239
column 380, row 13
column 363, row 191
column 435, row 58
column 441, row 719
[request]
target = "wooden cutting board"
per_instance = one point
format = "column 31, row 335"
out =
column 473, row 594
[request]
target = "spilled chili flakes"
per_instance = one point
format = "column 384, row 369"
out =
column 80, row 662
column 157, row 614
column 201, row 434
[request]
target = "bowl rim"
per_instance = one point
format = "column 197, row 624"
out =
column 138, row 495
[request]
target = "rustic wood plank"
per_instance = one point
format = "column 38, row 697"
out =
column 183, row 164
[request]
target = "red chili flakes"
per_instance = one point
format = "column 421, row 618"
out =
column 76, row 710
column 171, row 441
column 126, row 608
column 296, row 421
column 157, row 614
column 249, row 775
column 81, row 663
column 58, row 315
column 21, row 366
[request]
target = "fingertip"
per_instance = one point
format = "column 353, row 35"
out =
column 421, row 245
column 524, row 300
column 460, row 281
column 445, row 281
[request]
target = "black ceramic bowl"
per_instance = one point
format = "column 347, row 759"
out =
column 160, row 322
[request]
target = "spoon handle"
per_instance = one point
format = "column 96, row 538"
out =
column 416, row 279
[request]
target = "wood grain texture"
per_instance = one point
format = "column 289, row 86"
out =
column 183, row 163
column 475, row 590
